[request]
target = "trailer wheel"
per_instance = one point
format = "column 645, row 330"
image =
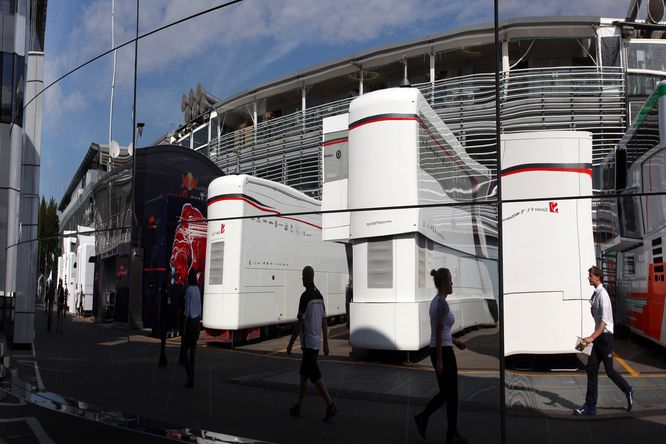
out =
column 270, row 331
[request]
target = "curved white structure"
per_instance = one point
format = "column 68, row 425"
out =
column 547, row 244
column 86, row 269
column 402, row 154
column 335, row 161
column 69, row 268
column 254, row 264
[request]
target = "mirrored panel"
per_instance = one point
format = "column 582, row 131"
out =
column 79, row 129
column 603, row 305
column 241, row 121
column 78, row 33
column 594, row 78
column 300, row 115
column 581, row 273
column 374, row 293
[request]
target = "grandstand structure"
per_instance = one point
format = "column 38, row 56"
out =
column 557, row 73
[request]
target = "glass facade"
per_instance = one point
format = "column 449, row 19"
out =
column 451, row 228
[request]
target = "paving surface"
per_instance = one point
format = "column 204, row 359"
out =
column 247, row 391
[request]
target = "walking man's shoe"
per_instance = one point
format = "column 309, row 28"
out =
column 630, row 399
column 457, row 439
column 331, row 411
column 585, row 410
column 421, row 424
column 295, row 411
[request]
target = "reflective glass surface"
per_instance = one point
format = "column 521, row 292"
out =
column 240, row 135
column 582, row 202
column 450, row 193
column 79, row 128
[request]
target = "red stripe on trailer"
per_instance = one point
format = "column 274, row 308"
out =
column 554, row 169
column 334, row 142
column 381, row 119
column 260, row 208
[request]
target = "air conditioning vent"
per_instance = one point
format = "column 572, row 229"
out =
column 380, row 264
column 216, row 263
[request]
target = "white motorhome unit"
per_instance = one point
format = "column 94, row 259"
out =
column 335, row 162
column 69, row 269
column 86, row 270
column 254, row 262
column 637, row 172
column 402, row 154
column 547, row 244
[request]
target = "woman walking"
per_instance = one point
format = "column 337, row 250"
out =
column 443, row 360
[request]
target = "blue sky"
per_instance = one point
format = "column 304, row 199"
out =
column 228, row 51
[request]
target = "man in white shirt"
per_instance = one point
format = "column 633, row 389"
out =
column 602, row 350
column 311, row 325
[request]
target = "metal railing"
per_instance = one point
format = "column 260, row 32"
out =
column 112, row 232
column 568, row 98
column 287, row 149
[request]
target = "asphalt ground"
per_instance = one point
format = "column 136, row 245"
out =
column 26, row 423
column 247, row 391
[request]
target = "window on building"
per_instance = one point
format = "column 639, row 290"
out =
column 184, row 142
column 19, row 82
column 649, row 55
column 640, row 86
column 629, row 266
column 7, row 87
column 214, row 127
column 335, row 156
column 654, row 181
column 8, row 6
column 610, row 51
column 201, row 136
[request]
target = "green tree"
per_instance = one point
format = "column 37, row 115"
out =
column 48, row 229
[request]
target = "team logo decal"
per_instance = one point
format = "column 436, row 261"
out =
column 219, row 231
column 188, row 184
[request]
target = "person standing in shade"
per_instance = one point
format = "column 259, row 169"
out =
column 443, row 360
column 50, row 297
column 82, row 298
column 192, row 324
column 178, row 292
column 76, row 299
column 165, row 302
column 602, row 346
column 349, row 297
column 61, row 306
column 310, row 326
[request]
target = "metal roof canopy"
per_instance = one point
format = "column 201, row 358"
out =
column 473, row 35
column 87, row 164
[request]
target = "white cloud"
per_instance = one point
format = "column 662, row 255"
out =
column 598, row 8
column 58, row 105
column 284, row 24
column 216, row 41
